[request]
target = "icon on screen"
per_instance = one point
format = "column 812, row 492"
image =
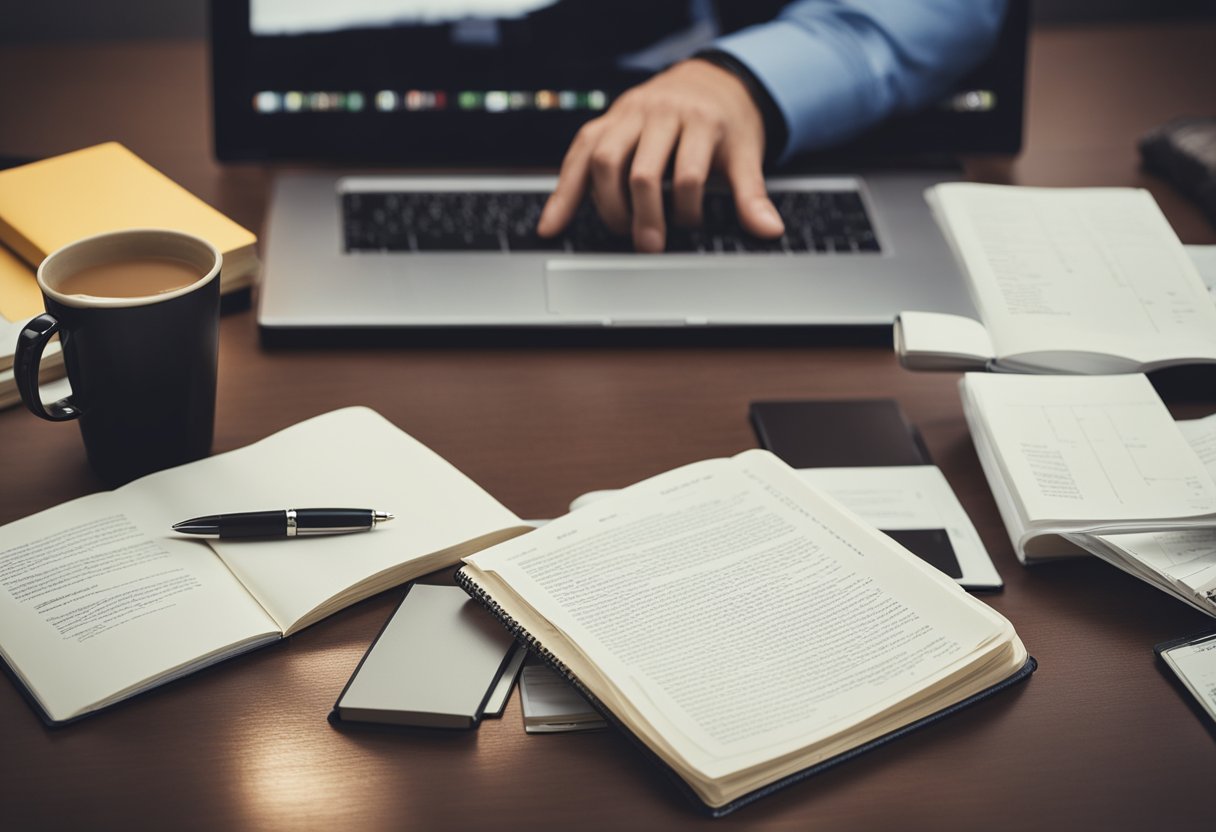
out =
column 267, row 102
column 497, row 101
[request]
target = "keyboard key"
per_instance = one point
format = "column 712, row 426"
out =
column 457, row 240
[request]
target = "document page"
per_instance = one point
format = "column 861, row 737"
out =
column 781, row 617
column 899, row 497
column 1099, row 452
column 1092, row 270
column 1195, row 664
column 95, row 602
column 1186, row 559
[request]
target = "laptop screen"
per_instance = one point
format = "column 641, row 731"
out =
column 508, row 82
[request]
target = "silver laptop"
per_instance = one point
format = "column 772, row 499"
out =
column 468, row 100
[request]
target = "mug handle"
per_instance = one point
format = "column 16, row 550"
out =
column 26, row 360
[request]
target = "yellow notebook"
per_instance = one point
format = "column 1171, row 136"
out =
column 47, row 204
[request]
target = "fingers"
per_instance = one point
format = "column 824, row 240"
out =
column 700, row 113
column 609, row 164
column 623, row 162
column 756, row 211
column 694, row 157
column 654, row 148
column 571, row 185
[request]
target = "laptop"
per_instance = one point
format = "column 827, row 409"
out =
column 477, row 104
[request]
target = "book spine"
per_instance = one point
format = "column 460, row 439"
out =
column 516, row 629
column 465, row 582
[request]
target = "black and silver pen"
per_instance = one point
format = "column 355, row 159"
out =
column 291, row 522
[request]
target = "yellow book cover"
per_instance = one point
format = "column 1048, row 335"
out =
column 47, row 204
column 19, row 294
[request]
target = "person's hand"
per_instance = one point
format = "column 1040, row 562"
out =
column 695, row 110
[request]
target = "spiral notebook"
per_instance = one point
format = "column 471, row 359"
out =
column 743, row 628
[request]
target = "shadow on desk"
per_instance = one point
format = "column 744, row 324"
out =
column 545, row 338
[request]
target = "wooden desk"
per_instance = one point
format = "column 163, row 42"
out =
column 1097, row 739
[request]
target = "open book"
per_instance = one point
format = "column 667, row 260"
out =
column 99, row 600
column 1066, row 456
column 1085, row 280
column 743, row 627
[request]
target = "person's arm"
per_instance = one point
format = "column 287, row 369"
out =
column 837, row 67
column 832, row 68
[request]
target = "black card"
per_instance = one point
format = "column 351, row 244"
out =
column 838, row 434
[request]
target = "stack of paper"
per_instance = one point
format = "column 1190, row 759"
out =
column 1097, row 464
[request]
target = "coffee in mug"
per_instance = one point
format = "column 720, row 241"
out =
column 137, row 313
column 131, row 278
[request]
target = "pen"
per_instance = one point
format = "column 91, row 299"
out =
column 291, row 522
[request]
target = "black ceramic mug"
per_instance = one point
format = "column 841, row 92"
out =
column 142, row 366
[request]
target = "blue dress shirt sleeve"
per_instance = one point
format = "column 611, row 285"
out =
column 836, row 67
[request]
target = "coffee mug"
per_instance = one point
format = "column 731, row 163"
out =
column 137, row 314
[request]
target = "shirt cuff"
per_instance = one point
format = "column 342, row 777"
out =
column 821, row 88
column 775, row 131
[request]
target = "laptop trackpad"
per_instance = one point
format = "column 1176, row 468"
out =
column 644, row 289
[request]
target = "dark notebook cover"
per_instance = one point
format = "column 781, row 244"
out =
column 467, row 583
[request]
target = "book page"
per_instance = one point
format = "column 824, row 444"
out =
column 1090, row 451
column 350, row 458
column 782, row 617
column 96, row 601
column 895, row 498
column 1095, row 271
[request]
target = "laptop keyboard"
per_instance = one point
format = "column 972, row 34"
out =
column 430, row 221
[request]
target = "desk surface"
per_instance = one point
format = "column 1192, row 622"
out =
column 1098, row 738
